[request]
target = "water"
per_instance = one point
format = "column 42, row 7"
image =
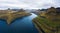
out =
column 21, row 25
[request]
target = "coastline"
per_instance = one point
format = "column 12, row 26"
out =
column 46, row 28
column 20, row 18
column 13, row 17
column 38, row 26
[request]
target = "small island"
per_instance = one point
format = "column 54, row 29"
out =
column 48, row 21
column 10, row 15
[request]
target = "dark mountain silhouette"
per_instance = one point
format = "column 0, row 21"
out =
column 58, row 10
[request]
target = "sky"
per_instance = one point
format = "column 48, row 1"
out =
column 29, row 4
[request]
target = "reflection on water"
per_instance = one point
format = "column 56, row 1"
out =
column 23, row 25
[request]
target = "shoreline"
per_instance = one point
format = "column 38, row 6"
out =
column 38, row 26
column 14, row 18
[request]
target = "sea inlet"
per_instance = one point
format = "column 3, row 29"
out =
column 20, row 25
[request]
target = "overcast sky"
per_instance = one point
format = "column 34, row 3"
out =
column 28, row 4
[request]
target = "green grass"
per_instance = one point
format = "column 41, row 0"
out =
column 48, row 22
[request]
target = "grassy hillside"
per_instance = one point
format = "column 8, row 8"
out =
column 47, row 25
column 9, row 16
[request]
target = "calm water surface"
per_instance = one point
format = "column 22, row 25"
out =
column 21, row 25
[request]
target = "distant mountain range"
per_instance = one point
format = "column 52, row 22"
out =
column 34, row 10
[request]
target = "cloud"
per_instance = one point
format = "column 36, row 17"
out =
column 30, row 4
